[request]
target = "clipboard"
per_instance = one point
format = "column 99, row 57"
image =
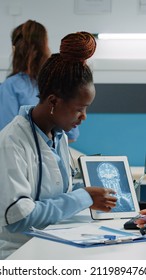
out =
column 89, row 235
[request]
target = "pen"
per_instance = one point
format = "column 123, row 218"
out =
column 106, row 236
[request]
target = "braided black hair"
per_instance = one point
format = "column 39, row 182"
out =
column 66, row 71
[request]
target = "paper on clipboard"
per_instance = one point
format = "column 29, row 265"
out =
column 88, row 235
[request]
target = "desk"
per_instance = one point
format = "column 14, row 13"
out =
column 41, row 249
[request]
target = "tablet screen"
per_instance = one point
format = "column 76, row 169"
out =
column 111, row 172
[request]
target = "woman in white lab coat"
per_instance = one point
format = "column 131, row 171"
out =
column 36, row 184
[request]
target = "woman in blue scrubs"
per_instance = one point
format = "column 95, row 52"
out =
column 30, row 51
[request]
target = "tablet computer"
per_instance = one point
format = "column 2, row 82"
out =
column 111, row 172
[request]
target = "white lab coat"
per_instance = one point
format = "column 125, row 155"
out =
column 19, row 176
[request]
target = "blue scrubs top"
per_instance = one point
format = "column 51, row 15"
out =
column 19, row 90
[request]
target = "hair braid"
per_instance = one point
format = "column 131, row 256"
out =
column 64, row 72
column 83, row 46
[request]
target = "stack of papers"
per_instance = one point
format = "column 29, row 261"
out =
column 87, row 235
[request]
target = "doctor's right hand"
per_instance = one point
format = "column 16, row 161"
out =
column 103, row 198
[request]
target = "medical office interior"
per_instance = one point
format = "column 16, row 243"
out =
column 116, row 121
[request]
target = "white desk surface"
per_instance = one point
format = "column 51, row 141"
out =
column 41, row 249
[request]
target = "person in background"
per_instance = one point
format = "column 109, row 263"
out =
column 29, row 52
column 66, row 89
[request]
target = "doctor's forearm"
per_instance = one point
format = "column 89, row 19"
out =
column 51, row 211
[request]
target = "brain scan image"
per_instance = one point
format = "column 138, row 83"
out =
column 110, row 177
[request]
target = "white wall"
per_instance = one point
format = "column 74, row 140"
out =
column 112, row 57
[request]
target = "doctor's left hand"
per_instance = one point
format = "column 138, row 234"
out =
column 103, row 199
